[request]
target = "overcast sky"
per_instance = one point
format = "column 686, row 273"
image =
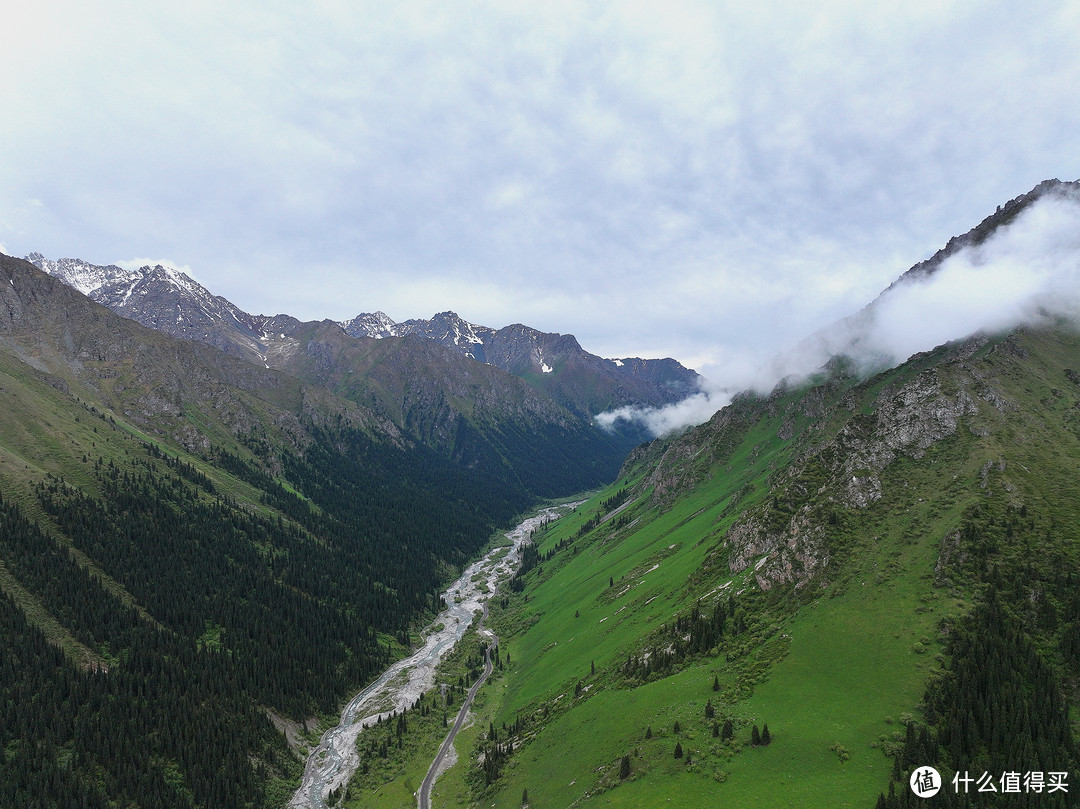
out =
column 708, row 181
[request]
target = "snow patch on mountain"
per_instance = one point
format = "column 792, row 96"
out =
column 82, row 275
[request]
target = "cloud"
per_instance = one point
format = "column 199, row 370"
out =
column 1027, row 272
column 661, row 421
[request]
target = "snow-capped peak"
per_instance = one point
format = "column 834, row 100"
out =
column 371, row 324
column 82, row 275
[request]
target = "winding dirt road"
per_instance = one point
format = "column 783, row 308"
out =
column 424, row 795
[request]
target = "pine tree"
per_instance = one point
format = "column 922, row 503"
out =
column 525, row 797
column 648, row 732
column 728, row 732
column 710, row 712
column 677, row 728
column 716, row 682
column 755, row 736
column 766, row 737
column 678, row 750
column 624, row 768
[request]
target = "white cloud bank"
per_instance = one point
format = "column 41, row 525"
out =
column 1026, row 273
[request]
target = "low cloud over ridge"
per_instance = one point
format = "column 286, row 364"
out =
column 1025, row 272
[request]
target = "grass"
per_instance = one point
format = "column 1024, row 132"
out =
column 834, row 670
column 849, row 666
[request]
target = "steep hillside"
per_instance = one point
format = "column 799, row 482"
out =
column 474, row 414
column 192, row 546
column 808, row 568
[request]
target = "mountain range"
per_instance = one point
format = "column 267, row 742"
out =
column 214, row 527
column 171, row 301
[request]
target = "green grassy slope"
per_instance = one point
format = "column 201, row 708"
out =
column 837, row 652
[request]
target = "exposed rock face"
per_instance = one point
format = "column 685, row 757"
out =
column 918, row 416
column 905, row 422
column 845, row 435
column 792, row 556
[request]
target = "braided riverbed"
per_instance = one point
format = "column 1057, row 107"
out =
column 333, row 762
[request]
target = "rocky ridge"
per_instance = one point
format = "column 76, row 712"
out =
column 554, row 362
column 169, row 300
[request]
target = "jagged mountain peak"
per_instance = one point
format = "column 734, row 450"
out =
column 162, row 298
column 370, row 324
column 451, row 330
column 82, row 275
column 168, row 299
column 1002, row 217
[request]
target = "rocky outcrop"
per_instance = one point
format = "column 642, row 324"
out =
column 906, row 421
column 918, row 416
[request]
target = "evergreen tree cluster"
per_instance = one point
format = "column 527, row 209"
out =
column 616, row 500
column 235, row 610
column 998, row 709
column 163, row 728
column 691, row 634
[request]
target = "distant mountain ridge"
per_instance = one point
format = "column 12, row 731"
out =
column 165, row 299
column 473, row 414
column 554, row 362
column 169, row 300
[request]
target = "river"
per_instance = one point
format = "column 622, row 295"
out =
column 334, row 761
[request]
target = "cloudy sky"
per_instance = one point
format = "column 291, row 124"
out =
column 709, row 181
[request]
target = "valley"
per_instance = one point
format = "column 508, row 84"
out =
column 650, row 618
column 221, row 538
column 332, row 763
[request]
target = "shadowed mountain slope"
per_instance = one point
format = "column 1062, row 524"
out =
column 192, row 545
